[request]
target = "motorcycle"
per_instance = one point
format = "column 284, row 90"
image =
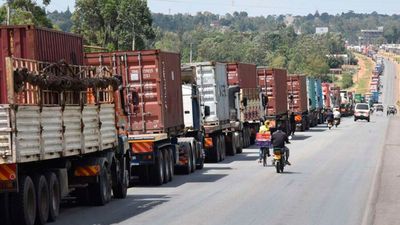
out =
column 279, row 158
column 337, row 122
column 330, row 124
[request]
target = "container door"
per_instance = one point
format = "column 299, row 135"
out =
column 208, row 90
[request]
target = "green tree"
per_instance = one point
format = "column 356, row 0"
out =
column 26, row 12
column 115, row 24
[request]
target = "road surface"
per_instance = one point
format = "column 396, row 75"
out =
column 330, row 181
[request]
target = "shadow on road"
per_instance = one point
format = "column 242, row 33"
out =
column 115, row 212
column 319, row 129
column 299, row 137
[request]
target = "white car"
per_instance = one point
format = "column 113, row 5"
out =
column 362, row 112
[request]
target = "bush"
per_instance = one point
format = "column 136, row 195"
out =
column 347, row 81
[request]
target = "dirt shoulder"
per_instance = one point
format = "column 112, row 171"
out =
column 362, row 79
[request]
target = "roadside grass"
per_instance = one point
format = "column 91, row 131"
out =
column 362, row 86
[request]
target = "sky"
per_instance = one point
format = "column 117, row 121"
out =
column 258, row 7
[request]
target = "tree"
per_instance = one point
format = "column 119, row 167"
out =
column 115, row 24
column 26, row 12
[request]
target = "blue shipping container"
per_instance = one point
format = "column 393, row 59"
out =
column 311, row 94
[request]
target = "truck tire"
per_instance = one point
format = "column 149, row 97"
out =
column 167, row 175
column 188, row 167
column 4, row 209
column 100, row 192
column 120, row 190
column 223, row 147
column 193, row 159
column 158, row 169
column 230, row 144
column 239, row 147
column 42, row 199
column 172, row 164
column 54, row 196
column 23, row 209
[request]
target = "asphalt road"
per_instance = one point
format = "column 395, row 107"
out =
column 330, row 182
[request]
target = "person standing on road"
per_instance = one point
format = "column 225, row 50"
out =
column 292, row 123
column 279, row 138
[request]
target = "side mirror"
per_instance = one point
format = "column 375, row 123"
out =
column 207, row 111
column 135, row 98
column 244, row 101
column 264, row 100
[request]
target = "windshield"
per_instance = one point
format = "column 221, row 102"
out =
column 362, row 106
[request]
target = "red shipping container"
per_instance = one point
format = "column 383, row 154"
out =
column 153, row 81
column 273, row 83
column 242, row 74
column 297, row 89
column 41, row 44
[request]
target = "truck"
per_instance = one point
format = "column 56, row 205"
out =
column 312, row 102
column 335, row 97
column 326, row 95
column 58, row 130
column 319, row 100
column 220, row 135
column 272, row 83
column 298, row 101
column 244, row 100
column 152, row 93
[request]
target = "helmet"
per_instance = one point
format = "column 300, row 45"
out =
column 267, row 122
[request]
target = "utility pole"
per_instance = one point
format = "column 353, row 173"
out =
column 8, row 13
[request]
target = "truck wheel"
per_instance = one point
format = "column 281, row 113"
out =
column 120, row 190
column 167, row 174
column 188, row 166
column 100, row 192
column 42, row 199
column 239, row 147
column 193, row 158
column 23, row 209
column 171, row 164
column 54, row 196
column 223, row 147
column 158, row 169
column 4, row 209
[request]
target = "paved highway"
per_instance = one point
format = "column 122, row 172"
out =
column 330, row 181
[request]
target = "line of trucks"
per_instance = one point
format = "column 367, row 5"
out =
column 87, row 126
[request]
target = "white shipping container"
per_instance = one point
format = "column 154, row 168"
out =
column 213, row 88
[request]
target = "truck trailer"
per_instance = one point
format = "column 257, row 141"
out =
column 244, row 101
column 58, row 135
column 298, row 101
column 273, row 86
column 221, row 138
column 153, row 102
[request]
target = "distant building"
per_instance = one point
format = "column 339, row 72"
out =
column 369, row 37
column 321, row 30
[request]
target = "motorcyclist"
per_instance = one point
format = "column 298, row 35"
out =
column 278, row 139
column 336, row 115
column 264, row 129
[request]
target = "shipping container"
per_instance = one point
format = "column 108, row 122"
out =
column 213, row 89
column 30, row 42
column 297, row 93
column 319, row 94
column 298, row 101
column 153, row 81
column 273, row 84
column 242, row 74
column 311, row 94
column 326, row 92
